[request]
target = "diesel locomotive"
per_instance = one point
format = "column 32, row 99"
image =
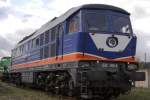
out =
column 89, row 51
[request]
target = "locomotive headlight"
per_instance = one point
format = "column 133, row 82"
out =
column 112, row 42
column 132, row 67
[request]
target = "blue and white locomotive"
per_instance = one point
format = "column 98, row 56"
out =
column 89, row 51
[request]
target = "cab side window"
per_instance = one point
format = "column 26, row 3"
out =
column 41, row 39
column 53, row 34
column 73, row 24
column 60, row 30
column 37, row 42
column 47, row 37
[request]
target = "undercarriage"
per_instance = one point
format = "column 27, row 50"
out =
column 88, row 80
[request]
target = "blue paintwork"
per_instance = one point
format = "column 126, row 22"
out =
column 80, row 42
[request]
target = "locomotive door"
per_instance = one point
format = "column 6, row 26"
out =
column 59, row 46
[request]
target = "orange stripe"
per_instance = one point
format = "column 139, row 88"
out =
column 67, row 58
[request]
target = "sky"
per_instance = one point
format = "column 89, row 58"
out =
column 19, row 18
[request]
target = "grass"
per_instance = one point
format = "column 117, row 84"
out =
column 136, row 94
column 9, row 92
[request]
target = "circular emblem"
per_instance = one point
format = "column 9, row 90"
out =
column 112, row 42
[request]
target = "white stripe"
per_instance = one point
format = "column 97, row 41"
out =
column 105, row 57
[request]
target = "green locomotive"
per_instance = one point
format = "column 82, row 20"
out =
column 5, row 64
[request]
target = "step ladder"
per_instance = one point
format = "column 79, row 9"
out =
column 84, row 84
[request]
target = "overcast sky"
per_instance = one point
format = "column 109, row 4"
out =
column 19, row 18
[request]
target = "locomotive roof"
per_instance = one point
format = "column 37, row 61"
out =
column 52, row 23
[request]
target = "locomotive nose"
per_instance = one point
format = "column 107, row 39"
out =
column 109, row 42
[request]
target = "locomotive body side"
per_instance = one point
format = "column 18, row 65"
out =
column 90, row 49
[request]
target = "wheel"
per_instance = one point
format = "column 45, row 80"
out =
column 46, row 88
column 18, row 81
column 57, row 90
column 70, row 91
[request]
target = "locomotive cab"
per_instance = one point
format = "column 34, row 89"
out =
column 108, row 46
column 109, row 33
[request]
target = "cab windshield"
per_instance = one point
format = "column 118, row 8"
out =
column 121, row 24
column 96, row 22
column 101, row 21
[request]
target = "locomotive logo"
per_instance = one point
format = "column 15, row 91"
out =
column 112, row 42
